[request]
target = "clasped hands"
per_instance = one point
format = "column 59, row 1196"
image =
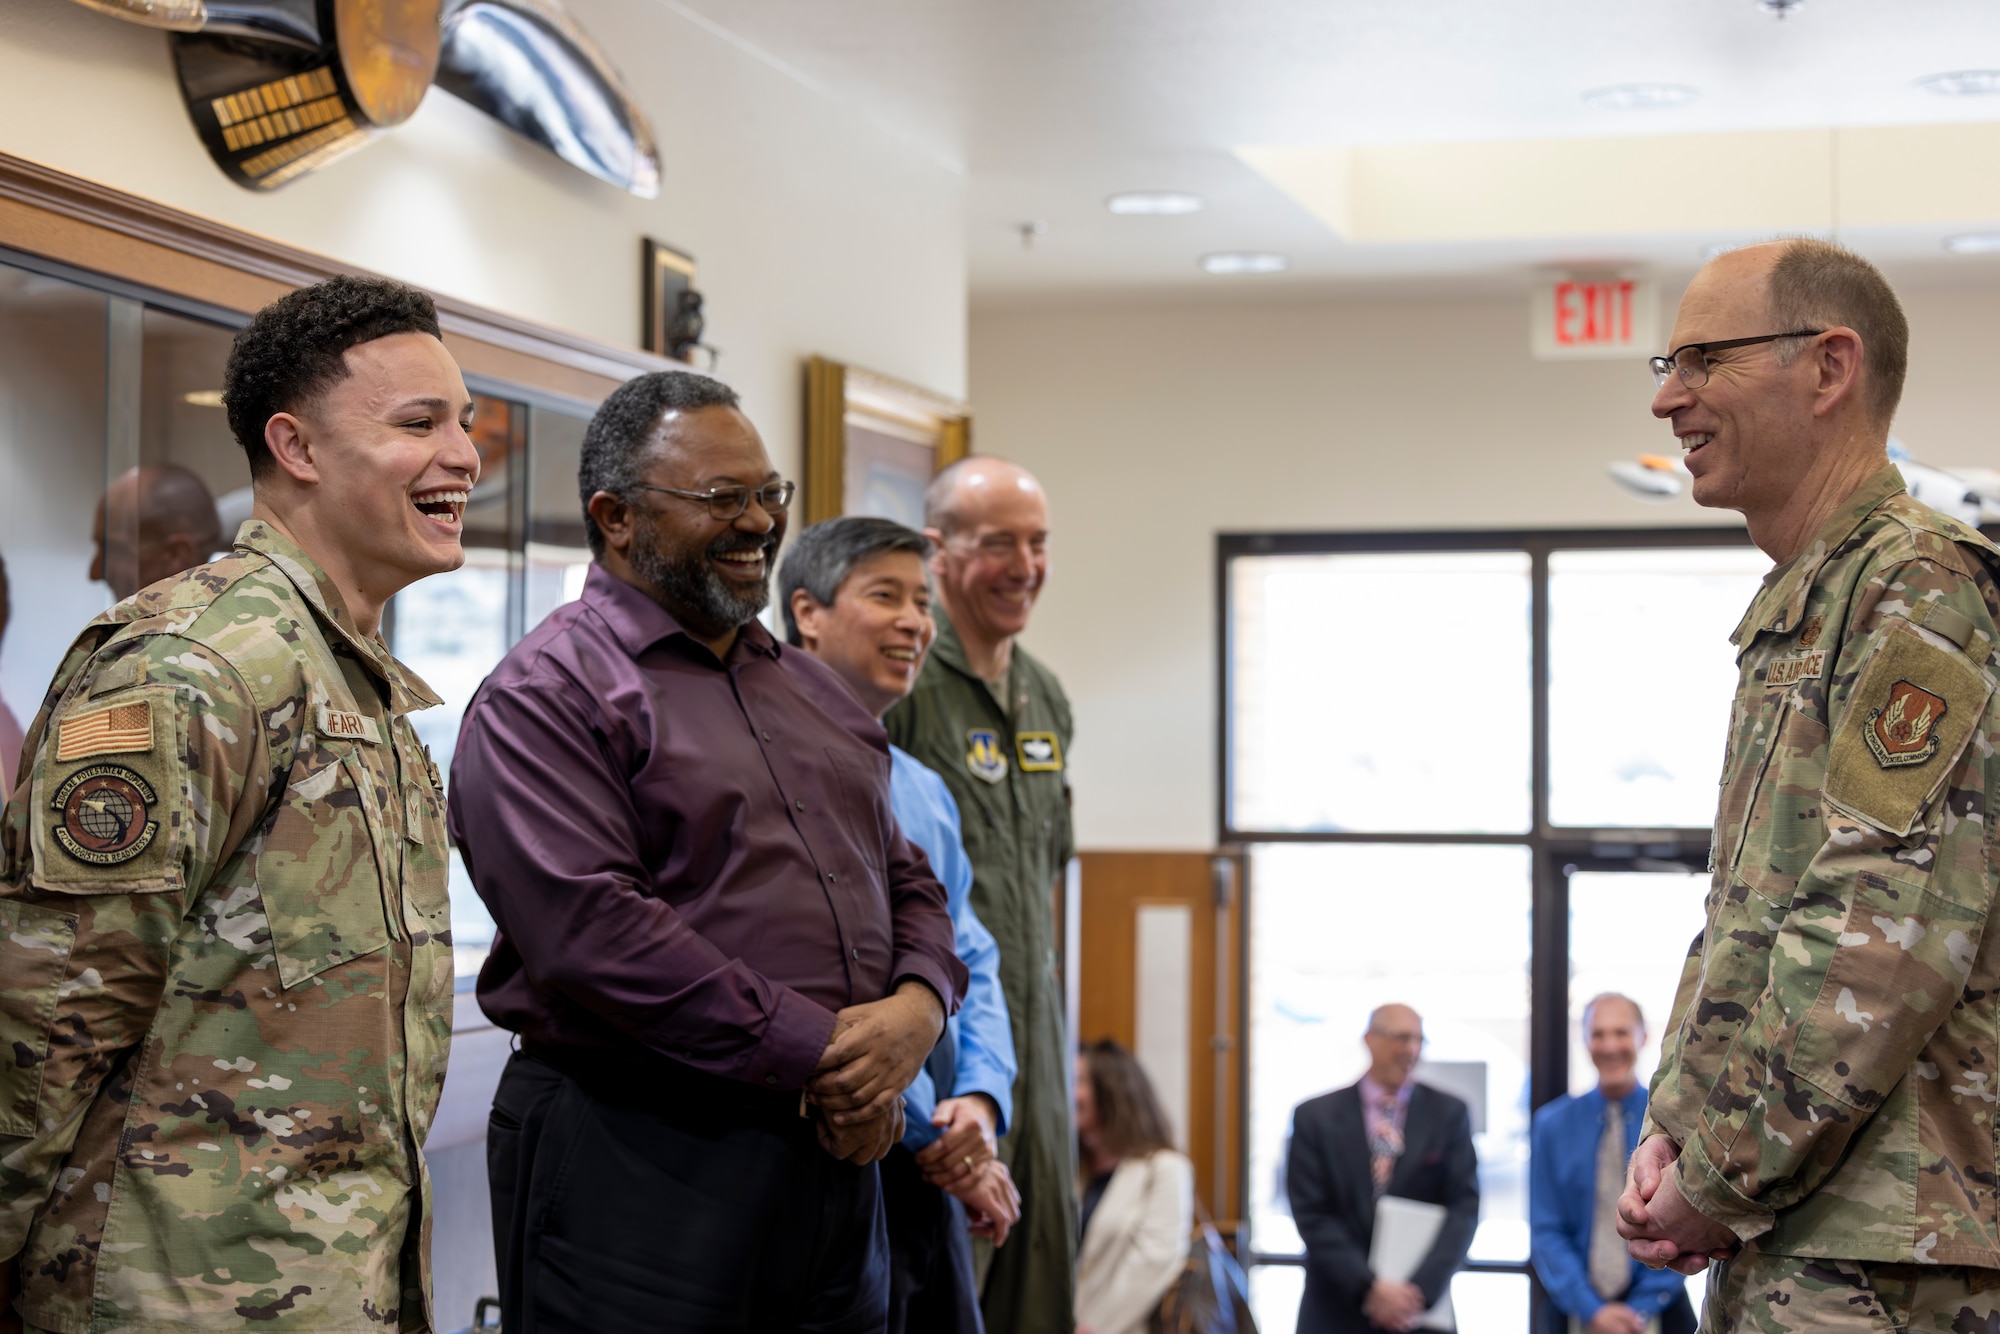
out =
column 961, row 1163
column 1390, row 1304
column 1662, row 1230
column 875, row 1051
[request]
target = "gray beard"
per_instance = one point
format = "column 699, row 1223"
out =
column 689, row 587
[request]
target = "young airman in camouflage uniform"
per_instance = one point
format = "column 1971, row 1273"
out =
column 225, row 952
column 1825, row 1098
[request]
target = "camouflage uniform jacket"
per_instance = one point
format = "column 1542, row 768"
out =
column 225, row 968
column 1830, row 1072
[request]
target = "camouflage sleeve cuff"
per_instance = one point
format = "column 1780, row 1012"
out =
column 1713, row 1197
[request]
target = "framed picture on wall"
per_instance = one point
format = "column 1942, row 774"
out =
column 672, row 307
column 873, row 443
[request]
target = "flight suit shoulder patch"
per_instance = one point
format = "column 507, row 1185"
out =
column 1909, row 717
column 107, row 804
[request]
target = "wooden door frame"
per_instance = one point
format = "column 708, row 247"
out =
column 1221, row 1153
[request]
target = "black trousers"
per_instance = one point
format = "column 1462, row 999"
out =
column 1677, row 1318
column 931, row 1285
column 651, row 1211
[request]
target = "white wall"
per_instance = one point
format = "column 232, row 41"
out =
column 1156, row 426
column 815, row 230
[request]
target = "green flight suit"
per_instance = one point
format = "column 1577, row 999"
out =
column 1002, row 751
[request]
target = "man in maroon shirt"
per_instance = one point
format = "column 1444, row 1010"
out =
column 723, row 959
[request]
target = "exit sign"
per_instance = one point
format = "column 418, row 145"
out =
column 1592, row 317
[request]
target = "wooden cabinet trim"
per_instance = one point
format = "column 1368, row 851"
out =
column 93, row 227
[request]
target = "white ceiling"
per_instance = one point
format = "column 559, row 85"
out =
column 1051, row 105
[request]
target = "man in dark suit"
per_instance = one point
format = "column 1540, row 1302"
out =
column 1387, row 1135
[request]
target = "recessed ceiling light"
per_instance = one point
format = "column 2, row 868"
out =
column 1154, row 203
column 204, row 398
column 1641, row 96
column 1962, row 83
column 1245, row 261
column 1973, row 243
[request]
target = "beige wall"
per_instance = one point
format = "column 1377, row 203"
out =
column 816, row 230
column 1157, row 426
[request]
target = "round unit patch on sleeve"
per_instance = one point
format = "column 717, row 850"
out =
column 103, row 815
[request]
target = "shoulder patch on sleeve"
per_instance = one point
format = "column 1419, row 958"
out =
column 108, row 796
column 1908, row 719
column 115, row 729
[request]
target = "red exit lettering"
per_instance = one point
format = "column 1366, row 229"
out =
column 1594, row 314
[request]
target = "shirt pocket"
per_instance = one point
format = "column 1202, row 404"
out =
column 319, row 878
column 1786, row 823
column 863, row 781
column 35, row 944
column 426, row 853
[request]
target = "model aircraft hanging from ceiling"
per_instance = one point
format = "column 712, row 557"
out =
column 280, row 88
column 1969, row 494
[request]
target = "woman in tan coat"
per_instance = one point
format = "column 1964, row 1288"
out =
column 1138, row 1194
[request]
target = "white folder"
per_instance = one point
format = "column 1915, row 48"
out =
column 1404, row 1231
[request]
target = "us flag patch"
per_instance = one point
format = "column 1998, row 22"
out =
column 117, row 730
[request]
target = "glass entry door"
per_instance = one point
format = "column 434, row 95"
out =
column 1475, row 772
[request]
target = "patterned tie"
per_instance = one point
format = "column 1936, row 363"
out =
column 1385, row 1144
column 1610, row 1262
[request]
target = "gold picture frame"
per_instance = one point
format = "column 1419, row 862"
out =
column 873, row 443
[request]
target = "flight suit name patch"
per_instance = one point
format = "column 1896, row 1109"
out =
column 104, row 810
column 1904, row 730
column 1038, row 752
column 1798, row 667
column 983, row 757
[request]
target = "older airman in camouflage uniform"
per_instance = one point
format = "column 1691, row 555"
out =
column 1822, row 1120
column 225, row 952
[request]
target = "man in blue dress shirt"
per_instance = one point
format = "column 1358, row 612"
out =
column 856, row 594
column 1581, row 1146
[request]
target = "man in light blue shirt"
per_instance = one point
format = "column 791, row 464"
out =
column 856, row 595
column 1577, row 1171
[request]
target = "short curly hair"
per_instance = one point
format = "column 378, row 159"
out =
column 294, row 349
column 618, row 435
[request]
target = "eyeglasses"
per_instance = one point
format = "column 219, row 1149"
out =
column 1691, row 361
column 727, row 503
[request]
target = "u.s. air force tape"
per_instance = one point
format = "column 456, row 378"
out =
column 103, row 812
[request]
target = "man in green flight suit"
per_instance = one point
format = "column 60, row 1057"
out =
column 225, row 938
column 995, row 724
column 1821, row 1125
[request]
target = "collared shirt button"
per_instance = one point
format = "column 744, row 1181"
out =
column 855, row 951
column 831, row 877
column 770, row 1079
column 765, row 735
column 800, row 804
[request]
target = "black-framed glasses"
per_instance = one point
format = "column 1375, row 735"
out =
column 1690, row 361
column 727, row 503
